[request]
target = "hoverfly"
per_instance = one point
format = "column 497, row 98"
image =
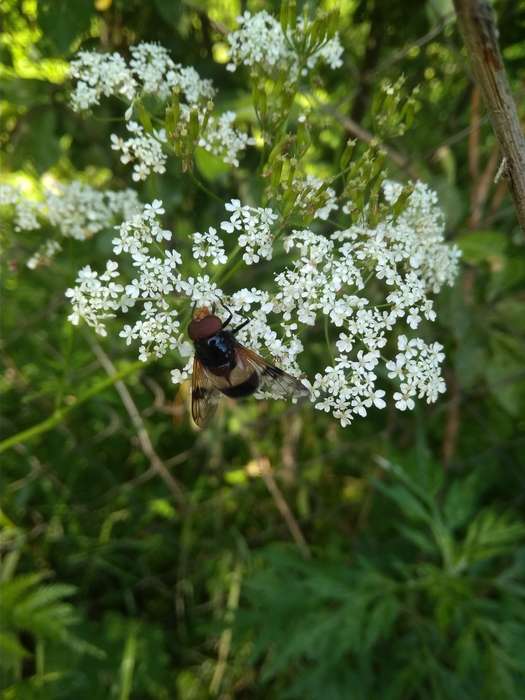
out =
column 222, row 365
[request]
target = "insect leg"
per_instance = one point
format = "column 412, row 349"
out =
column 234, row 330
column 241, row 325
column 229, row 312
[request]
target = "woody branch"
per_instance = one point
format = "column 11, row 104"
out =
column 477, row 25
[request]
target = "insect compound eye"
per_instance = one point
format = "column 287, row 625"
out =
column 204, row 328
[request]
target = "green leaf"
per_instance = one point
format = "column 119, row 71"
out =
column 480, row 246
column 45, row 597
column 490, row 535
column 460, row 501
column 470, row 359
column 504, row 373
column 24, row 92
column 37, row 142
column 509, row 313
column 419, row 538
column 62, row 23
column 380, row 621
column 169, row 11
column 211, row 167
column 507, row 273
column 11, row 651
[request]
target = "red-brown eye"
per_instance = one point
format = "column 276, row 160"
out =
column 204, row 328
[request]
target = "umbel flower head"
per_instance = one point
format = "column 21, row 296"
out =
column 260, row 42
column 185, row 115
column 75, row 211
column 187, row 101
column 367, row 290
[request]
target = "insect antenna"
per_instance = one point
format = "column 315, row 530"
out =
column 230, row 313
column 241, row 325
column 230, row 316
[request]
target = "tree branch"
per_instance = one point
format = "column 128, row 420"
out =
column 400, row 159
column 376, row 35
column 476, row 22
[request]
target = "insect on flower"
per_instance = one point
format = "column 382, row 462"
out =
column 223, row 365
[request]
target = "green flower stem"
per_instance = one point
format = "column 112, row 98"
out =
column 327, row 339
column 58, row 416
column 235, row 263
column 203, row 187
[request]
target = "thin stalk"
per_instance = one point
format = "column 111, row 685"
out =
column 127, row 665
column 60, row 413
column 327, row 338
column 203, row 187
column 233, row 268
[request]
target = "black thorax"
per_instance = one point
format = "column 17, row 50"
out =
column 217, row 351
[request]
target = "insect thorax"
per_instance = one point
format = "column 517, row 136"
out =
column 216, row 351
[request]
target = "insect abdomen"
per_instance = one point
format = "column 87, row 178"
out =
column 244, row 388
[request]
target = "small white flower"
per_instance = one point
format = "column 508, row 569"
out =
column 133, row 289
column 376, row 397
column 320, row 281
column 413, row 318
column 128, row 333
column 255, row 227
column 403, row 398
column 345, row 343
column 154, row 209
column 227, row 226
column 209, row 245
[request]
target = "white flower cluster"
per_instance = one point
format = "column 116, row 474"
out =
column 100, row 75
column 260, row 42
column 417, row 367
column 159, row 281
column 221, row 139
column 410, row 258
column 209, row 245
column 98, row 298
column 311, row 190
column 75, row 210
column 417, row 238
column 25, row 210
column 144, row 150
column 363, row 286
column 45, row 253
column 255, row 230
column 151, row 71
column 79, row 211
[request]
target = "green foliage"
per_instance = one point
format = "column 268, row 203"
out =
column 34, row 614
column 438, row 598
column 111, row 586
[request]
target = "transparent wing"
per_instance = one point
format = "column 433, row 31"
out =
column 271, row 378
column 204, row 395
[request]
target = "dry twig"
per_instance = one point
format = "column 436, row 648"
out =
column 476, row 21
column 157, row 465
column 265, row 471
column 226, row 636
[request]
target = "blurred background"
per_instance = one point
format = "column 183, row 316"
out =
column 274, row 554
